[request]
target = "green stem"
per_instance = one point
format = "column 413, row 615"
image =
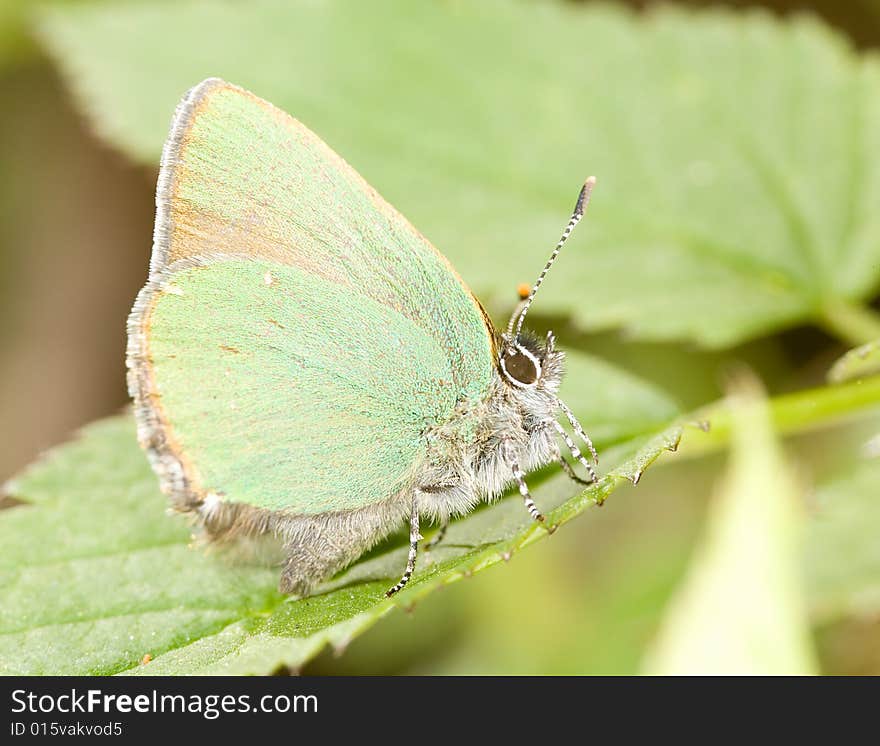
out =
column 851, row 323
column 791, row 413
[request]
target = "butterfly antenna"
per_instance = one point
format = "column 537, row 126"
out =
column 579, row 208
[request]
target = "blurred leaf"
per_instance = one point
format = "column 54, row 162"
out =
column 737, row 155
column 580, row 605
column 613, row 405
column 798, row 412
column 16, row 43
column 873, row 6
column 857, row 363
column 740, row 609
column 855, row 366
column 93, row 575
column 842, row 549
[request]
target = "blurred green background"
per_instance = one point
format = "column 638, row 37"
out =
column 75, row 237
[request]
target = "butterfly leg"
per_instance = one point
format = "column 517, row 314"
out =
column 438, row 537
column 575, row 451
column 576, row 426
column 414, row 537
column 520, row 478
column 567, row 468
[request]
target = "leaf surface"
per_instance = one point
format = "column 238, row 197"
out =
column 737, row 155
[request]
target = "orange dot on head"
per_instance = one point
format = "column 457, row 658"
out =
column 523, row 290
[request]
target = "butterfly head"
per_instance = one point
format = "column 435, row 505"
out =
column 528, row 363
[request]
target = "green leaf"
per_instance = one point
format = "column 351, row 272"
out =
column 737, row 155
column 94, row 575
column 842, row 551
column 798, row 412
column 617, row 405
column 740, row 610
column 857, row 363
column 16, row 42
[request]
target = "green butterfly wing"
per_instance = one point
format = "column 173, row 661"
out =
column 297, row 335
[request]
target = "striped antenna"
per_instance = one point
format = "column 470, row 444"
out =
column 582, row 202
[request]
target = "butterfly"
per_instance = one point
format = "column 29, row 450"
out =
column 303, row 363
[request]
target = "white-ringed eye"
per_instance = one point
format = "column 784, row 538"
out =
column 520, row 366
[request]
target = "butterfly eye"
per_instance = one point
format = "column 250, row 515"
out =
column 520, row 367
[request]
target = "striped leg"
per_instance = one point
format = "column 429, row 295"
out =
column 520, row 478
column 524, row 491
column 567, row 468
column 576, row 426
column 438, row 537
column 575, row 451
column 414, row 537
